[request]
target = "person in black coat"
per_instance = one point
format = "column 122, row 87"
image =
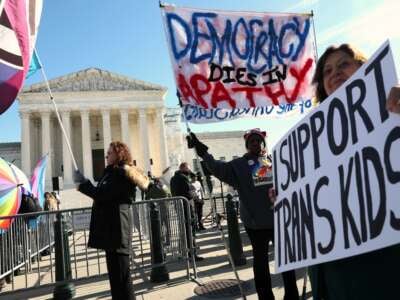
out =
column 111, row 219
column 180, row 186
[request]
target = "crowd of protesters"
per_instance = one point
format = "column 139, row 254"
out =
column 366, row 276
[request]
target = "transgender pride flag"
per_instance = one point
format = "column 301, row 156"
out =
column 38, row 179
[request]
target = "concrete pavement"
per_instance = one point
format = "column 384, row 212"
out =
column 214, row 267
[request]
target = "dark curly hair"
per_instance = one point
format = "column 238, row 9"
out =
column 123, row 153
column 318, row 78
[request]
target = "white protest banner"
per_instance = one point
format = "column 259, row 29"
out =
column 237, row 60
column 337, row 173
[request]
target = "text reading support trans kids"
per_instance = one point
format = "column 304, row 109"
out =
column 336, row 173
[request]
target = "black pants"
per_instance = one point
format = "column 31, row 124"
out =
column 199, row 213
column 120, row 276
column 260, row 239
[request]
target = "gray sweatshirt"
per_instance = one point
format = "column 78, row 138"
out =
column 251, row 176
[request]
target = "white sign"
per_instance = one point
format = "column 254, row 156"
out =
column 337, row 173
column 81, row 220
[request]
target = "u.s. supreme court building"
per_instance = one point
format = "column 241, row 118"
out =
column 97, row 107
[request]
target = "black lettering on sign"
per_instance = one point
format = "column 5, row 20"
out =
column 307, row 223
column 315, row 134
column 276, row 186
column 294, row 161
column 285, row 185
column 277, row 209
column 370, row 154
column 356, row 106
column 393, row 176
column 303, row 139
column 216, row 73
column 228, row 71
column 337, row 105
column 296, row 226
column 376, row 66
column 286, row 219
column 361, row 198
column 324, row 213
column 347, row 215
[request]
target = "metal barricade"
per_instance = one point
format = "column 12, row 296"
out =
column 27, row 256
column 217, row 205
column 173, row 231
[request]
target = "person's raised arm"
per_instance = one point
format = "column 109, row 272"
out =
column 220, row 169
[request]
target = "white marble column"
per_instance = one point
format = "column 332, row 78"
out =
column 86, row 145
column 67, row 161
column 26, row 143
column 162, row 137
column 125, row 126
column 105, row 114
column 46, row 149
column 144, row 139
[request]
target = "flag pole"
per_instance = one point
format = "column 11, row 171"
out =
column 315, row 37
column 56, row 111
column 163, row 7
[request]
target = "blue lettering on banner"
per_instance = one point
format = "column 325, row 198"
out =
column 264, row 41
column 196, row 114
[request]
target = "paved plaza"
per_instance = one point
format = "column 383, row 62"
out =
column 214, row 267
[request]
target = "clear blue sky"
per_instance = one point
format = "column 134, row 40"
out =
column 127, row 37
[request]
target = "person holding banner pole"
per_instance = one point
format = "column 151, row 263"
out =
column 373, row 275
column 251, row 176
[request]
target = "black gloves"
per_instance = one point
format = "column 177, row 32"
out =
column 193, row 142
column 78, row 177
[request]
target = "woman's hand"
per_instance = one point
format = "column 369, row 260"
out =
column 393, row 101
column 272, row 195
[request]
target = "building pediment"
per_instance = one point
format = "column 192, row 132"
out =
column 93, row 79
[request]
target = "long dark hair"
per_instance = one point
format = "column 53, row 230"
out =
column 318, row 78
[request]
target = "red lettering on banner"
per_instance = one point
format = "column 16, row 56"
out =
column 195, row 81
column 220, row 94
column 275, row 95
column 184, row 88
column 249, row 93
column 300, row 76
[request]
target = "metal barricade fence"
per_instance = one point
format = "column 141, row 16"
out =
column 217, row 204
column 27, row 256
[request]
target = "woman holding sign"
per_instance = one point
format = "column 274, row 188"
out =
column 373, row 275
